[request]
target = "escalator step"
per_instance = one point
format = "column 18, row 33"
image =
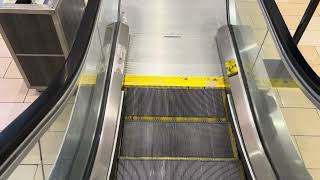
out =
column 174, row 170
column 176, row 139
column 175, row 102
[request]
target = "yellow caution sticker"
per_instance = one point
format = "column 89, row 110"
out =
column 176, row 158
column 231, row 67
column 88, row 79
column 174, row 81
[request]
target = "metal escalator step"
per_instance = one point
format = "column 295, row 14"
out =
column 176, row 139
column 178, row 170
column 175, row 102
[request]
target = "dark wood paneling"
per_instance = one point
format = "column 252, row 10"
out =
column 31, row 33
column 40, row 70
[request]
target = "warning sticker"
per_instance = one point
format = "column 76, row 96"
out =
column 232, row 68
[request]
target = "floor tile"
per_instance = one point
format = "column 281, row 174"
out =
column 314, row 24
column 4, row 51
column 50, row 146
column 39, row 174
column 24, row 172
column 292, row 21
column 302, row 121
column 315, row 173
column 4, row 65
column 47, row 170
column 33, row 156
column 291, row 9
column 13, row 71
column 308, row 38
column 309, row 148
column 318, row 49
column 32, row 95
column 294, row 97
column 9, row 111
column 62, row 121
column 316, row 69
column 310, row 54
column 295, row 145
column 12, row 90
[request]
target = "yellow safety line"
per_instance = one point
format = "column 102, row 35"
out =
column 87, row 79
column 233, row 142
column 177, row 119
column 174, row 81
column 276, row 83
column 176, row 158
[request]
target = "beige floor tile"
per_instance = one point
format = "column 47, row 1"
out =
column 4, row 65
column 50, row 145
column 12, row 90
column 292, row 9
column 316, row 69
column 308, row 38
column 13, row 71
column 32, row 95
column 309, row 148
column 310, row 54
column 295, row 145
column 315, row 173
column 4, row 51
column 302, row 121
column 62, row 121
column 292, row 21
column 314, row 24
column 47, row 171
column 39, row 174
column 33, row 156
column 294, row 97
column 24, row 172
column 9, row 111
column 318, row 49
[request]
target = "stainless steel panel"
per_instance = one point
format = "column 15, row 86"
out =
column 173, row 38
column 254, row 149
column 178, row 55
column 108, row 138
column 178, row 17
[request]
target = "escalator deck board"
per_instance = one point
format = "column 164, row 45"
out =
column 174, row 170
column 176, row 139
column 175, row 102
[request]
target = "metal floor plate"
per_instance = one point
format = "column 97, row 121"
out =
column 178, row 170
column 171, row 139
column 174, row 102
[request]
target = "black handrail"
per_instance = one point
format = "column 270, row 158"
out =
column 17, row 132
column 311, row 9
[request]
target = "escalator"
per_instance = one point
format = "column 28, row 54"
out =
column 165, row 90
column 177, row 133
column 173, row 131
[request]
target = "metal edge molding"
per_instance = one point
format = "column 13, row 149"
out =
column 259, row 162
column 103, row 162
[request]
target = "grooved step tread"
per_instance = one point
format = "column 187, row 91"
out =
column 175, row 102
column 176, row 139
column 174, row 170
